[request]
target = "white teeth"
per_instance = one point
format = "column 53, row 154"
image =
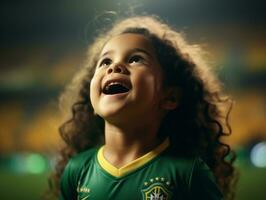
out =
column 114, row 83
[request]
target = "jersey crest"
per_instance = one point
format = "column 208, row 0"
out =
column 156, row 190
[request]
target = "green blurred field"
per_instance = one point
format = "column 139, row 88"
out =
column 252, row 185
column 22, row 186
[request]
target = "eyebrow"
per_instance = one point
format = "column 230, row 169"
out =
column 134, row 50
column 106, row 53
column 141, row 50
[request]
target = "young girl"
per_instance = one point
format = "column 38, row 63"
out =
column 147, row 120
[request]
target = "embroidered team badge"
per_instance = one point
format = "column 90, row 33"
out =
column 156, row 189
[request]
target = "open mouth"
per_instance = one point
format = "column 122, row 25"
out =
column 115, row 88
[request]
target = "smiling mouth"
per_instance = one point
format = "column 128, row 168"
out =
column 115, row 88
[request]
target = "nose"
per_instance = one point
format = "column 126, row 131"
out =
column 117, row 68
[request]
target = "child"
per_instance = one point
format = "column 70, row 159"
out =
column 147, row 119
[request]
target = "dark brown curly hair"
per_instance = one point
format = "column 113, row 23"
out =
column 196, row 126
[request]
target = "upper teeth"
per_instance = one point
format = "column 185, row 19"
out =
column 115, row 83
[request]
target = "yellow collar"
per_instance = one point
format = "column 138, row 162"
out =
column 118, row 172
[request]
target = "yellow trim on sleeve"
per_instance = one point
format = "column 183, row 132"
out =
column 133, row 165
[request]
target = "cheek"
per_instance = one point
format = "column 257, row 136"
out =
column 94, row 89
column 149, row 83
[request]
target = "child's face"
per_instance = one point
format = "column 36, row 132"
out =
column 127, row 83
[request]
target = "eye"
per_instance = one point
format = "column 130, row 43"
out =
column 105, row 62
column 136, row 59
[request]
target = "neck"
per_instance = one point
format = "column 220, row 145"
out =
column 126, row 143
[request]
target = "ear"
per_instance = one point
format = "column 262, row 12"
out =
column 171, row 98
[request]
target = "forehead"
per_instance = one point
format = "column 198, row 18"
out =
column 126, row 42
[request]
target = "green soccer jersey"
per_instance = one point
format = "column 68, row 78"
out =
column 155, row 176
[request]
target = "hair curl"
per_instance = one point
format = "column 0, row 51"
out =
column 197, row 125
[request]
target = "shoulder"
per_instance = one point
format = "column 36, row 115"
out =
column 200, row 172
column 202, row 181
column 180, row 167
column 82, row 158
column 73, row 170
column 194, row 176
column 79, row 161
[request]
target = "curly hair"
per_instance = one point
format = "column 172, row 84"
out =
column 196, row 126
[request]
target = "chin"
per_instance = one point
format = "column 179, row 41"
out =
column 114, row 115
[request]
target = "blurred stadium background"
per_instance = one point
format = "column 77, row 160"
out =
column 42, row 43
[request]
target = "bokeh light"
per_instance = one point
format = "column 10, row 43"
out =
column 35, row 164
column 28, row 163
column 258, row 155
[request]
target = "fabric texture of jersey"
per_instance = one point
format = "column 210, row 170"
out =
column 155, row 176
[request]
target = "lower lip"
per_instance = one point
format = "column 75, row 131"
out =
column 116, row 95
